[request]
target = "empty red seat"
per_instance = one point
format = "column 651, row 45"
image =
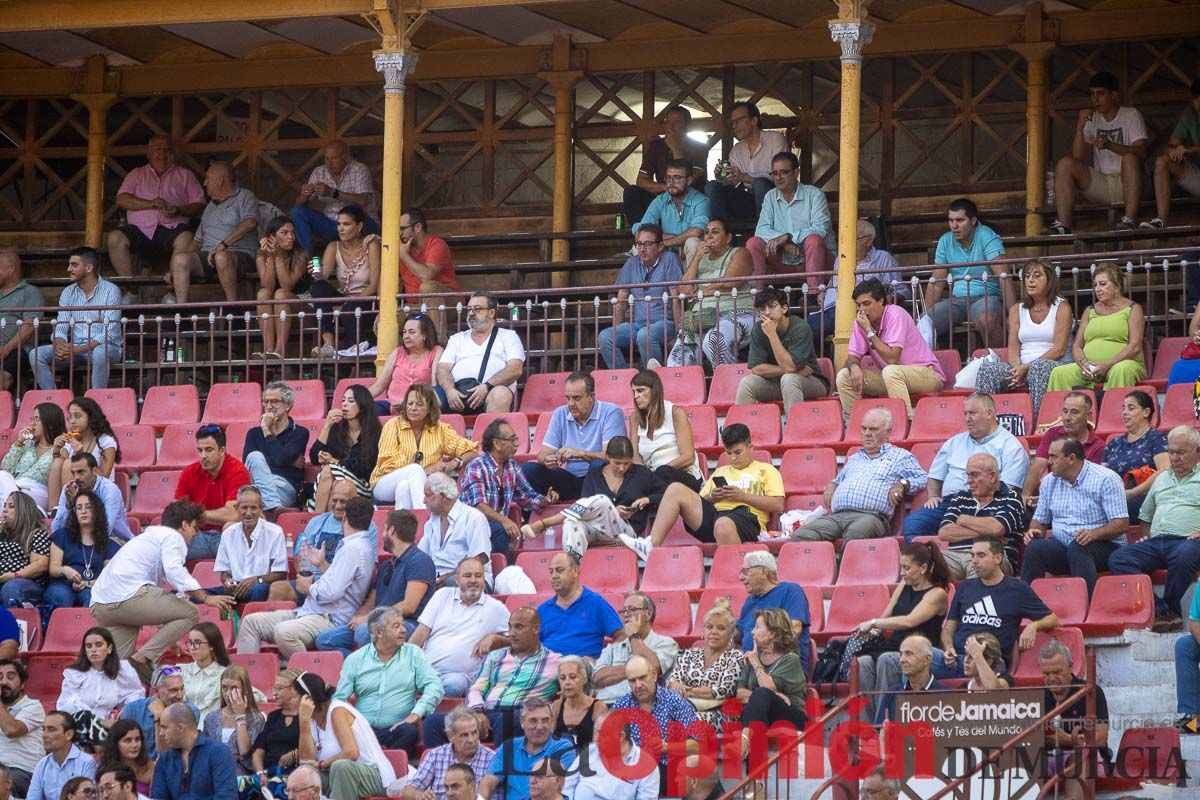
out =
column 543, row 392
column 814, row 423
column 233, row 402
column 178, row 446
column 294, row 522
column 1146, row 755
column 456, row 421
column 736, row 595
column 849, row 606
column 6, row 409
column 515, row 601
column 763, row 420
column 673, row 568
column 31, row 399
column 1027, row 670
column 1066, row 597
column 612, row 386
column 703, row 420
column 1051, row 407
column 951, row 363
column 1015, row 403
column 803, row 502
column 683, row 386
column 807, row 563
column 519, row 423
column 310, row 399
column 726, row 569
column 936, row 419
column 263, row 667
column 1109, row 421
column 1120, row 602
column 398, row 759
column 536, row 564
column 205, row 573
column 137, row 443
column 327, row 664
column 808, row 471
column 539, row 431
column 673, row 612
column 610, row 569
column 170, row 405
column 46, row 673
column 155, row 489
column 865, row 404
column 119, row 405
column 869, row 561
column 1166, row 354
column 1178, row 407
column 816, row 612
column 925, row 452
column 64, row 633
column 235, row 437
column 722, row 389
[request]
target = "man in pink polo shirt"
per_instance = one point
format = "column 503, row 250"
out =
column 888, row 334
column 158, row 199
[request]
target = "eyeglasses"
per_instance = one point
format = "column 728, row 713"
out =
column 294, row 789
column 632, row 610
column 779, row 173
column 676, row 178
column 106, row 788
column 88, row 791
column 647, row 245
column 272, row 402
column 196, row 642
column 514, row 438
column 477, row 309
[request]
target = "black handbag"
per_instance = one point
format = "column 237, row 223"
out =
column 465, row 386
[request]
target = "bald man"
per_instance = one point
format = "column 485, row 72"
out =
column 340, row 181
column 184, row 751
column 226, row 241
column 869, row 263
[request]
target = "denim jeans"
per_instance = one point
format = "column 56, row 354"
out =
column 308, row 221
column 204, row 546
column 735, row 202
column 259, row 592
column 21, row 592
column 344, row 640
column 1179, row 555
column 277, row 491
column 924, row 521
column 100, row 359
column 1187, row 674
column 60, row 594
column 1052, row 556
column 614, row 342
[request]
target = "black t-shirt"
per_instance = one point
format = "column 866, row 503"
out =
column 639, row 482
column 997, row 610
column 277, row 738
column 1070, row 718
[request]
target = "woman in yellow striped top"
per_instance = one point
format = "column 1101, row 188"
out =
column 413, row 445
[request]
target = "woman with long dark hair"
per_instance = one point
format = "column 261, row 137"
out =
column 97, row 684
column 88, row 431
column 79, row 553
column 1139, row 454
column 202, row 677
column 26, row 467
column 332, row 731
column 412, row 362
column 125, row 748
column 662, row 433
column 347, row 446
column 24, row 551
column 281, row 263
column 354, row 260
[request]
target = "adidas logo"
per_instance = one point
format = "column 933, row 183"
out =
column 982, row 613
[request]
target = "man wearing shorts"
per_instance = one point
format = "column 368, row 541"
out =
column 1181, row 163
column 1114, row 137
column 158, row 199
column 733, row 506
column 226, row 241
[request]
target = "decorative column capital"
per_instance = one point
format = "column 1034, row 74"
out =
column 853, row 36
column 396, row 65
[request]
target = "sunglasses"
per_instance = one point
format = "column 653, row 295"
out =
column 208, row 430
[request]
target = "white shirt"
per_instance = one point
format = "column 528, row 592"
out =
column 603, row 785
column 96, row 692
column 265, row 552
column 370, row 754
column 465, row 356
column 24, row 752
column 617, row 654
column 342, row 588
column 1127, row 127
column 758, row 163
column 455, row 628
column 152, row 559
column 467, row 534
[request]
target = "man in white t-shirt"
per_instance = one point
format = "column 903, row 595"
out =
column 253, row 553
column 466, row 385
column 1114, row 137
column 460, row 626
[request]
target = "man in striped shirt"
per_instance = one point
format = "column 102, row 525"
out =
column 987, row 507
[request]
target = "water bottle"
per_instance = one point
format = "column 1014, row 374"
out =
column 550, row 537
column 619, row 222
column 169, row 351
column 304, row 561
column 516, row 313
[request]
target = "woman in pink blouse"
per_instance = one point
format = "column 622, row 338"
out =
column 353, row 261
column 409, row 364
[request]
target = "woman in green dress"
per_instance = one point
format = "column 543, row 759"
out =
column 1108, row 344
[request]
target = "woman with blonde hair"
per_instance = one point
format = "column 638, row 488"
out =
column 983, row 663
column 413, row 445
column 238, row 721
column 707, row 674
column 662, row 433
column 1108, row 344
column 772, row 682
column 24, row 551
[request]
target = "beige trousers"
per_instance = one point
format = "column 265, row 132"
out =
column 150, row 605
column 791, row 388
column 894, row 380
column 291, row 634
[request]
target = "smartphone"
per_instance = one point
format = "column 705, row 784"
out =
column 720, row 482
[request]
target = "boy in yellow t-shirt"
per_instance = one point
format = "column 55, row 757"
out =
column 733, row 506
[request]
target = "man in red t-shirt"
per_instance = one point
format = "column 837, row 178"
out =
column 426, row 264
column 213, row 482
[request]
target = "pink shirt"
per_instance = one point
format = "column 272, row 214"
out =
column 178, row 186
column 406, row 373
column 897, row 329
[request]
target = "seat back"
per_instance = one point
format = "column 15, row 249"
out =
column 612, row 386
column 178, row 446
column 170, row 405
column 155, row 489
column 736, row 595
column 1051, row 407
column 810, row 564
column 1026, row 661
column 763, row 420
column 865, row 404
column 1120, row 602
column 809, row 470
column 1015, row 403
column 64, row 632
column 609, row 569
column 850, row 605
column 814, row 423
column 683, row 386
column 327, row 664
column 543, row 392
column 1178, row 407
column 536, row 564
column 263, row 667
column 726, row 569
column 936, row 419
column 31, row 399
column 722, row 389
column 869, row 562
column 673, row 568
column 310, row 399
column 703, row 420
column 672, row 612
column 1066, row 597
column 119, row 405
column 233, row 402
column 1109, row 420
column 1151, row 755
column 137, row 444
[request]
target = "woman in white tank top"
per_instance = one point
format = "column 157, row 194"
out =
column 662, row 434
column 324, row 735
column 1039, row 333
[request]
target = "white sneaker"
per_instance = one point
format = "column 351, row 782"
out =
column 169, row 297
column 653, row 363
column 359, row 350
column 639, row 545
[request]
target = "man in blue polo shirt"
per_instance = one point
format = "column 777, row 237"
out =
column 760, row 576
column 982, row 299
column 576, row 620
column 406, row 580
column 575, row 440
column 508, row 777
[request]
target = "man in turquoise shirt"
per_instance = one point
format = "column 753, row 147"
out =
column 385, row 677
column 982, row 299
column 794, row 226
column 1180, row 163
column 681, row 211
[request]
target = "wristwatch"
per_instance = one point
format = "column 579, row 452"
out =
column 488, row 385
column 871, row 333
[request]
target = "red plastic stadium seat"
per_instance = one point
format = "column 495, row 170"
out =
column 536, row 564
column 951, row 363
column 6, row 409
column 339, row 391
column 206, row 574
column 807, row 563
column 683, row 386
column 1015, row 403
column 233, row 402
column 865, row 404
column 326, row 664
column 519, row 423
column 609, row 569
column 1027, row 669
column 32, row 621
column 816, row 610
column 539, row 431
column 543, row 392
column 763, row 420
column 1052, row 402
column 1178, row 408
column 178, row 447
column 310, row 399
column 263, row 667
column 813, row 424
column 704, row 426
column 1066, row 597
column 1146, row 755
column 722, row 389
column 869, row 561
column 294, row 522
column 267, row 605
column 456, row 421
column 137, row 443
column 1167, row 353
column 708, row 598
column 45, row 675
column 936, row 419
column 673, row 568
column 612, row 385
column 826, row 365
column 31, row 399
column 155, row 489
column 808, row 471
column 849, row 606
column 119, row 405
column 803, row 502
column 515, row 601
column 397, row 758
column 726, row 569
column 673, row 612
column 1110, row 410
column 64, row 633
column 1120, row 602
column 235, row 437
column 924, row 453
column 170, row 405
